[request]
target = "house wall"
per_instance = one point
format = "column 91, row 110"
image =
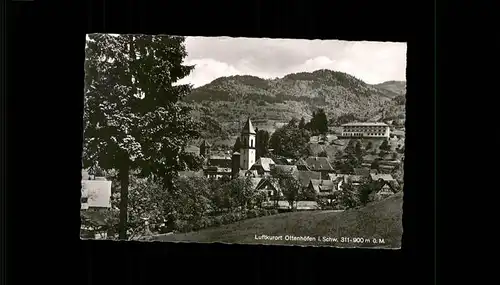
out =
column 97, row 192
column 366, row 131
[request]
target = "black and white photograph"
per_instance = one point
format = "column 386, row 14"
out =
column 283, row 142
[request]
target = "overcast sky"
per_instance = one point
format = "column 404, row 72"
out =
column 372, row 62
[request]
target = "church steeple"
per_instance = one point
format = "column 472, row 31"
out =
column 248, row 128
column 247, row 151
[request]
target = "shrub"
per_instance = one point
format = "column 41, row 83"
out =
column 254, row 213
column 263, row 212
column 272, row 212
column 217, row 221
column 183, row 226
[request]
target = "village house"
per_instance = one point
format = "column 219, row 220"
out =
column 302, row 165
column 324, row 189
column 386, row 178
column 305, row 177
column 248, row 173
column 275, row 168
column 386, row 190
column 366, row 164
column 354, row 180
column 320, row 164
column 362, row 171
column 96, row 192
column 192, row 149
column 95, row 199
column 215, row 172
column 387, row 169
column 263, row 166
column 268, row 186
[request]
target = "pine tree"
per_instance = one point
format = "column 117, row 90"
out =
column 302, row 123
column 369, row 145
column 237, row 145
column 261, row 143
column 132, row 118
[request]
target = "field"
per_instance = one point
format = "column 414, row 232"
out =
column 379, row 220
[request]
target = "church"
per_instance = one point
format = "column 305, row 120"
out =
column 233, row 165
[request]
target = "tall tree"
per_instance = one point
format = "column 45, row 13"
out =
column 237, row 145
column 261, row 143
column 319, row 122
column 132, row 117
column 302, row 123
column 350, row 148
column 290, row 141
column 358, row 151
column 369, row 145
column 385, row 146
column 289, row 185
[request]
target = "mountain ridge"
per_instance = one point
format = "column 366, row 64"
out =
column 271, row 102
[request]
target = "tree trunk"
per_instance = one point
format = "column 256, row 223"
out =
column 124, row 183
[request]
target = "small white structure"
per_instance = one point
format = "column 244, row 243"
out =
column 366, row 130
column 96, row 193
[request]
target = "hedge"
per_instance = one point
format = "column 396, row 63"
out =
column 182, row 225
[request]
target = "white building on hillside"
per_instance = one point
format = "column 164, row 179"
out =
column 366, row 130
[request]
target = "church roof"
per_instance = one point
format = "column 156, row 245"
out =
column 248, row 128
column 265, row 162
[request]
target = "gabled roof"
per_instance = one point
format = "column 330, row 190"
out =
column 302, row 167
column 322, row 185
column 387, row 185
column 284, row 168
column 266, row 181
column 385, row 177
column 248, row 128
column 316, row 163
column 336, row 177
column 364, row 171
column 264, row 162
column 369, row 157
column 354, row 178
column 301, row 162
column 192, row 149
column 251, row 173
column 305, row 177
column 255, row 182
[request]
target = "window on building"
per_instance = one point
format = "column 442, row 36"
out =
column 251, row 143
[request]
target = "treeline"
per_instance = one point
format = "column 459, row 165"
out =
column 194, row 204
